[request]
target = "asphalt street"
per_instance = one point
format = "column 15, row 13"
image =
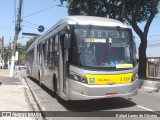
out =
column 144, row 101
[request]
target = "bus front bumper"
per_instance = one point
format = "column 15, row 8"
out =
column 80, row 91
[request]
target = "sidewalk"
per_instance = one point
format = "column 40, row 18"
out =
column 4, row 73
column 13, row 96
column 149, row 85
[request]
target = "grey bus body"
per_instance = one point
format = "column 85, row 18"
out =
column 58, row 59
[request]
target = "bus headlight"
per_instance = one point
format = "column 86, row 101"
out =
column 79, row 78
column 135, row 76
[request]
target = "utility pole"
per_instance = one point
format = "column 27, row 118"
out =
column 17, row 31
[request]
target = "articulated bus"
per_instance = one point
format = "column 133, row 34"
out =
column 84, row 58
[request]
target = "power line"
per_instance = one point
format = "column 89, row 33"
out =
column 30, row 23
column 155, row 45
column 6, row 28
column 147, row 36
column 154, row 31
column 42, row 10
column 153, row 41
column 153, row 35
column 30, row 26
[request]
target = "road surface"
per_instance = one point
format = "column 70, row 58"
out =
column 144, row 101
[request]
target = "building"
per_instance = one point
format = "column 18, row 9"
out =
column 1, row 49
column 153, row 67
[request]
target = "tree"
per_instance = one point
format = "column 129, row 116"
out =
column 128, row 11
column 21, row 52
column 23, row 48
column 7, row 53
column 20, row 48
column 29, row 42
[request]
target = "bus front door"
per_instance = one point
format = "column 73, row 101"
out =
column 62, row 66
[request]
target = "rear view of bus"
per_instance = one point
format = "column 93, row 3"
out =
column 103, row 62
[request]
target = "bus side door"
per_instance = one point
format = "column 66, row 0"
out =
column 63, row 58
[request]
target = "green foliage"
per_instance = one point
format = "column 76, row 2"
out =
column 83, row 7
column 21, row 52
column 7, row 53
column 23, row 49
column 137, row 10
column 129, row 11
column 20, row 48
column 29, row 42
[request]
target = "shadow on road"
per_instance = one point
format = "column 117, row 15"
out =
column 90, row 105
column 96, row 105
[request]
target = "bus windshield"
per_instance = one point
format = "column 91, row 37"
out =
column 104, row 48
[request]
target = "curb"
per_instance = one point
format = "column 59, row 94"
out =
column 150, row 86
column 31, row 98
column 38, row 105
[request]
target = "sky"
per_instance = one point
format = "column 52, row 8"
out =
column 29, row 24
column 49, row 17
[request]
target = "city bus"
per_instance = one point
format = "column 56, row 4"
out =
column 84, row 58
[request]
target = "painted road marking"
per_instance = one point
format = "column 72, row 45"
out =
column 148, row 109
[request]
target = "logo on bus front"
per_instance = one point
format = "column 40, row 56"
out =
column 112, row 63
column 92, row 80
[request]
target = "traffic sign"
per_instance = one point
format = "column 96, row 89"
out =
column 41, row 28
column 30, row 34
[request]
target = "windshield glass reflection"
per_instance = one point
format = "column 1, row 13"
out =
column 104, row 48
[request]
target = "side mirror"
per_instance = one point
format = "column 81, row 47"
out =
column 67, row 29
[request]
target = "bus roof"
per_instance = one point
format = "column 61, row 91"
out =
column 84, row 20
column 79, row 20
column 92, row 20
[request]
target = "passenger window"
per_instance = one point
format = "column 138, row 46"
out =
column 38, row 54
column 45, row 52
column 50, row 52
column 56, row 43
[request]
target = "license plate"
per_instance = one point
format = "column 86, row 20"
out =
column 110, row 95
